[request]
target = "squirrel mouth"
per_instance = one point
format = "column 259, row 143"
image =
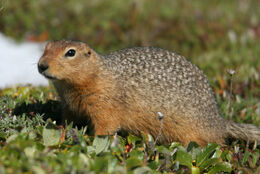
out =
column 48, row 76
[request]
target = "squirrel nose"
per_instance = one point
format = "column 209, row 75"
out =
column 43, row 66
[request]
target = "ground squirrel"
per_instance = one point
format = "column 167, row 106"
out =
column 126, row 89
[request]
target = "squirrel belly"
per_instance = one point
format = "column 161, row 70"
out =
column 126, row 89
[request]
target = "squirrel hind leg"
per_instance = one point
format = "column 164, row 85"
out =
column 106, row 128
column 202, row 142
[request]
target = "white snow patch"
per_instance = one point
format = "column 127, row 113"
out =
column 18, row 63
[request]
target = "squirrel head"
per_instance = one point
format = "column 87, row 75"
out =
column 68, row 61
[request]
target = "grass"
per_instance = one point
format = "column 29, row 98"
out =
column 215, row 35
column 32, row 144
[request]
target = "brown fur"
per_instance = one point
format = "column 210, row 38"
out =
column 89, row 88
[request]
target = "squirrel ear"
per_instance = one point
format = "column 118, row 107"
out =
column 48, row 45
column 89, row 52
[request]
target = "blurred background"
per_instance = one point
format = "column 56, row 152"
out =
column 215, row 35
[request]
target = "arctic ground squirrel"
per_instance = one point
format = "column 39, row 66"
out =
column 126, row 89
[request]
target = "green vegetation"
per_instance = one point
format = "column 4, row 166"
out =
column 215, row 35
column 31, row 145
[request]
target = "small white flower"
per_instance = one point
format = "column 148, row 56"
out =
column 231, row 71
column 160, row 115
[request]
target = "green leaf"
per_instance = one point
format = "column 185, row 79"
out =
column 245, row 158
column 30, row 151
column 38, row 169
column 11, row 138
column 192, row 145
column 217, row 153
column 84, row 159
column 162, row 149
column 221, row 167
column 184, row 158
column 133, row 162
column 205, row 153
column 208, row 163
column 101, row 143
column 132, row 139
column 112, row 165
column 100, row 164
column 254, row 160
column 91, row 149
column 142, row 170
column 51, row 134
column 153, row 165
column 138, row 154
column 194, row 149
column 174, row 145
column 226, row 155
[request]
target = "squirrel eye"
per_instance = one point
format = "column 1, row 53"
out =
column 70, row 53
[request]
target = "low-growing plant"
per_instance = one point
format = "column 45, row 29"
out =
column 29, row 143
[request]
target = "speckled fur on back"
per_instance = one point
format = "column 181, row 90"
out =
column 129, row 87
column 166, row 82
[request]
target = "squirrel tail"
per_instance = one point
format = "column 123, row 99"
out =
column 244, row 131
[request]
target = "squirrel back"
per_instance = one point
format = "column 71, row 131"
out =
column 126, row 89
